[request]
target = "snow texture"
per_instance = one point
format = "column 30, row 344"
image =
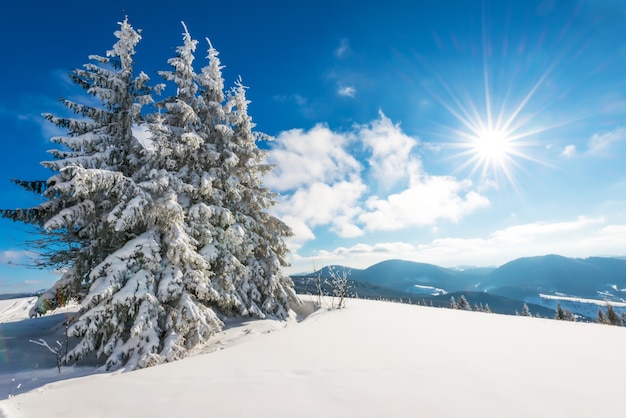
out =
column 371, row 359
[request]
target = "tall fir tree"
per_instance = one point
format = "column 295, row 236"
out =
column 90, row 167
column 263, row 287
column 161, row 238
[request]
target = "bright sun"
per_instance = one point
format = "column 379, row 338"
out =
column 493, row 142
column 494, row 138
column 492, row 146
column 492, row 150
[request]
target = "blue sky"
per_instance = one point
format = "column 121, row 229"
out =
column 451, row 132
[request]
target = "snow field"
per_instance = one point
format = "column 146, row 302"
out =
column 15, row 309
column 371, row 359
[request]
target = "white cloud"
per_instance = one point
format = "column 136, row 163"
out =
column 599, row 142
column 390, row 150
column 303, row 158
column 334, row 204
column 569, row 151
column 343, row 49
column 425, row 202
column 301, row 232
column 617, row 231
column 323, row 185
column 347, row 91
column 530, row 232
column 320, row 202
column 16, row 256
column 359, row 255
column 582, row 237
column 388, row 248
column 345, row 229
column 363, row 255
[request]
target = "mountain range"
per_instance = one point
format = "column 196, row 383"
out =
column 580, row 285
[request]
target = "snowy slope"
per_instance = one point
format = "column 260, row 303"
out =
column 372, row 359
column 15, row 309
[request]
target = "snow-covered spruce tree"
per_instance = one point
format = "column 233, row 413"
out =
column 560, row 314
column 612, row 317
column 203, row 250
column 166, row 235
column 263, row 288
column 463, row 304
column 167, row 297
column 212, row 151
column 106, row 220
column 182, row 189
column 90, row 168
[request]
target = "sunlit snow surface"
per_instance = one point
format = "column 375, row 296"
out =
column 371, row 359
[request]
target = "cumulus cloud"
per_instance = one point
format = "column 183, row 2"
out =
column 303, row 158
column 569, row 151
column 618, row 231
column 323, row 185
column 301, row 231
column 346, row 91
column 425, row 202
column 390, row 150
column 572, row 238
column 334, row 205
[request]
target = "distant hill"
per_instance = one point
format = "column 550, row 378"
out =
column 593, row 277
column 521, row 280
column 7, row 296
column 407, row 277
column 364, row 290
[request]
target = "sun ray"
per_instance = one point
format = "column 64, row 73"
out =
column 486, row 70
column 494, row 137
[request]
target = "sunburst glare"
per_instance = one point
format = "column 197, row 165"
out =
column 493, row 147
column 495, row 135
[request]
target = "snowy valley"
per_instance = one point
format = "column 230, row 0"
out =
column 580, row 285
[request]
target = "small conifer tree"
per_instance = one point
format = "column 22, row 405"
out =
column 560, row 314
column 463, row 304
column 612, row 317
